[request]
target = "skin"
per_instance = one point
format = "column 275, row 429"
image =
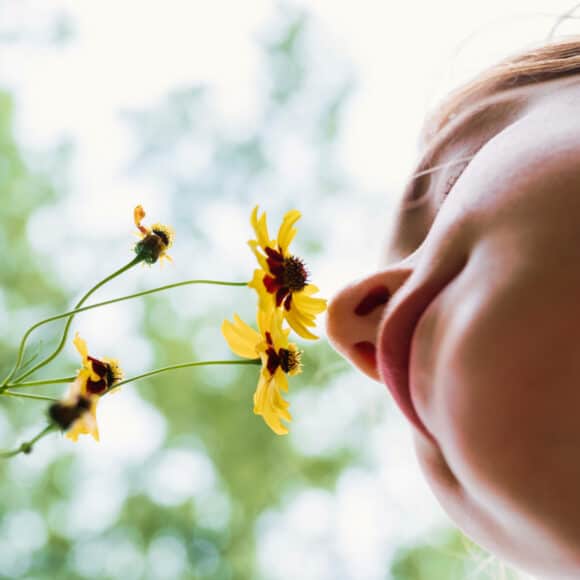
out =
column 494, row 358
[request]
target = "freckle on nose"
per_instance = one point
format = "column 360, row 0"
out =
column 376, row 297
column 367, row 351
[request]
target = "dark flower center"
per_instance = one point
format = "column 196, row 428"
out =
column 295, row 274
column 163, row 236
column 286, row 359
column 289, row 359
column 105, row 374
column 151, row 246
column 287, row 274
column 65, row 415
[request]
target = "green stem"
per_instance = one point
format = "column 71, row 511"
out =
column 27, row 396
column 27, row 446
column 64, row 336
column 62, row 380
column 98, row 305
column 187, row 365
column 125, row 381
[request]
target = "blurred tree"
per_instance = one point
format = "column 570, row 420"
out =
column 25, row 281
column 210, row 533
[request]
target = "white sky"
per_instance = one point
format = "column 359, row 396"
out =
column 127, row 54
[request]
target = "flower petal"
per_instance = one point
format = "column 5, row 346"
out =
column 86, row 424
column 268, row 403
column 286, row 232
column 138, row 216
column 262, row 260
column 241, row 338
column 83, row 350
column 265, row 299
column 260, row 228
column 81, row 346
column 303, row 311
column 274, row 324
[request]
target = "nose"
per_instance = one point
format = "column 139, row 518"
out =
column 355, row 313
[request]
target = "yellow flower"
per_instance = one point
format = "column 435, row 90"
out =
column 279, row 359
column 154, row 242
column 282, row 279
column 77, row 412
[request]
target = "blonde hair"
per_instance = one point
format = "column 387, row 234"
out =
column 547, row 62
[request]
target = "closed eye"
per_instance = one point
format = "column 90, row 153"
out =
column 452, row 179
column 420, row 181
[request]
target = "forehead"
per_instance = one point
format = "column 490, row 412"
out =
column 553, row 61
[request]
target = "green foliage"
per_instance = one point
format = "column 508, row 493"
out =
column 205, row 411
column 449, row 556
column 21, row 193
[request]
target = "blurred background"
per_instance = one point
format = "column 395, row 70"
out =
column 199, row 111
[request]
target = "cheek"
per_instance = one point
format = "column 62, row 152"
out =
column 495, row 377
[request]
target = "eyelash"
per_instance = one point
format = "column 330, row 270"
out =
column 452, row 180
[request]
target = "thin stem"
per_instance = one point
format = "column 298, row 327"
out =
column 27, row 446
column 64, row 336
column 27, row 396
column 105, row 303
column 187, row 365
column 62, row 380
column 567, row 15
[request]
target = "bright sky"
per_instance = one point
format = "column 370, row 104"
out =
column 128, row 54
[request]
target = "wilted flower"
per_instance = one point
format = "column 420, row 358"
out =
column 279, row 359
column 155, row 241
column 282, row 280
column 76, row 413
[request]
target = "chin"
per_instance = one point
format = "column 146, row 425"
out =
column 519, row 539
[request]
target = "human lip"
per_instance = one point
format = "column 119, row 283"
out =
column 394, row 346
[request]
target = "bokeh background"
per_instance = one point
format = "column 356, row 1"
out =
column 199, row 111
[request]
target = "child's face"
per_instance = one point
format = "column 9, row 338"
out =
column 474, row 325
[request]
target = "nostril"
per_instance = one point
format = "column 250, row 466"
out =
column 376, row 297
column 367, row 351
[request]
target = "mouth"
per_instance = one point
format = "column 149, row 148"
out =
column 394, row 341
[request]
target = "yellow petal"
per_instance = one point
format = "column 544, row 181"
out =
column 138, row 216
column 262, row 261
column 81, row 347
column 306, row 303
column 265, row 299
column 86, row 424
column 82, row 377
column 241, row 338
column 303, row 311
column 296, row 322
column 279, row 335
column 286, row 232
column 260, row 227
column 281, row 380
column 270, row 405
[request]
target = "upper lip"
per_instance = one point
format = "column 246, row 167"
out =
column 394, row 345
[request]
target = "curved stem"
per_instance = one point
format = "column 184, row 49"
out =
column 27, row 446
column 63, row 338
column 186, row 365
column 60, row 381
column 98, row 305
